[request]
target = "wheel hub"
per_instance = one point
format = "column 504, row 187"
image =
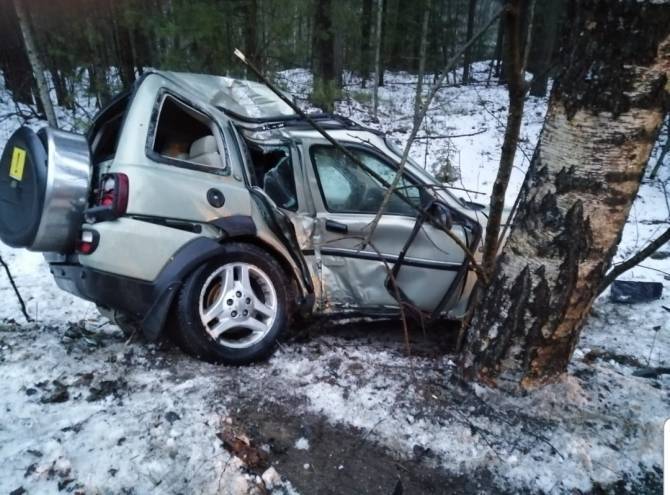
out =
column 238, row 305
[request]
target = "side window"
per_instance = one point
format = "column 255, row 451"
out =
column 273, row 171
column 347, row 188
column 185, row 134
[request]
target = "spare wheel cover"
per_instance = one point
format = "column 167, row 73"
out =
column 23, row 177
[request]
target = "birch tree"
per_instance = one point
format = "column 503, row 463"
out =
column 35, row 62
column 604, row 113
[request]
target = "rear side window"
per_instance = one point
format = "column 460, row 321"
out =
column 185, row 136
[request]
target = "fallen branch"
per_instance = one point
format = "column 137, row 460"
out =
column 639, row 257
column 16, row 290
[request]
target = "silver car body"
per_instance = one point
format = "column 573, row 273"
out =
column 342, row 275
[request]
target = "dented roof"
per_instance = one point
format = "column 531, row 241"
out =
column 246, row 99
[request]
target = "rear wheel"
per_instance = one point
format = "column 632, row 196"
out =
column 233, row 309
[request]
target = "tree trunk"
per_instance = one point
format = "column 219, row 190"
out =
column 325, row 76
column 251, row 32
column 366, row 35
column 603, row 117
column 13, row 57
column 546, row 41
column 422, row 60
column 122, row 42
column 378, row 57
column 35, row 62
column 467, row 56
column 513, row 63
column 499, row 49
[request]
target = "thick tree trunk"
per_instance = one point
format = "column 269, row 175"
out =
column 467, row 56
column 251, row 32
column 14, row 61
column 603, row 117
column 35, row 62
column 545, row 39
column 122, row 42
column 325, row 74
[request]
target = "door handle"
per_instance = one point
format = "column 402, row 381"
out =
column 338, row 227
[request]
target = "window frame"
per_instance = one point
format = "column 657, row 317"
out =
column 376, row 154
column 217, row 132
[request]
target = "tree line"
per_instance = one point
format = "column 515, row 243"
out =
column 107, row 44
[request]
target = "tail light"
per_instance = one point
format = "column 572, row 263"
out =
column 111, row 199
column 88, row 241
column 114, row 193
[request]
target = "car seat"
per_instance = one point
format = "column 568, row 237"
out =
column 278, row 183
column 205, row 152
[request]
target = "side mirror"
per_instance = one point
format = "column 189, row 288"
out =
column 443, row 214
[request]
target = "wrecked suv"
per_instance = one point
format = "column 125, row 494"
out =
column 206, row 207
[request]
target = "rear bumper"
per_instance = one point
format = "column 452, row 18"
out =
column 132, row 296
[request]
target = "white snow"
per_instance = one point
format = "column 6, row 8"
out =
column 153, row 416
column 302, row 444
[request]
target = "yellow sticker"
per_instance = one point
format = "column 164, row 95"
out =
column 18, row 163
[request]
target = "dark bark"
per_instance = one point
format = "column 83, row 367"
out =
column 382, row 44
column 603, row 118
column 467, row 57
column 251, row 32
column 513, row 34
column 326, row 78
column 547, row 21
column 366, row 37
column 123, row 44
column 13, row 57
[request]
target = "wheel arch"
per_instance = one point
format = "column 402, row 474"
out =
column 202, row 250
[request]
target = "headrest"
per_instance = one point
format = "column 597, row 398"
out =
column 203, row 145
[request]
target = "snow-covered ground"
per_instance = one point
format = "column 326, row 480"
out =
column 83, row 410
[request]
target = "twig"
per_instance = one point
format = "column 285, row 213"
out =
column 16, row 290
column 451, row 136
column 418, row 120
column 346, row 152
column 641, row 255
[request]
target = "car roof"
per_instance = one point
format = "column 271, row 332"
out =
column 253, row 105
column 246, row 100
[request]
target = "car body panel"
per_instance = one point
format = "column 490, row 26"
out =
column 170, row 225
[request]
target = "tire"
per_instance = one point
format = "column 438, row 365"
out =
column 224, row 317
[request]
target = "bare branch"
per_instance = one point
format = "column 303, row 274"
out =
column 511, row 139
column 16, row 290
column 434, row 221
column 418, row 120
column 638, row 258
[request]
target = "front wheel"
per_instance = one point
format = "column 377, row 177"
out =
column 233, row 309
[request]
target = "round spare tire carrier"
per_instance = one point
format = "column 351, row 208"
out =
column 44, row 187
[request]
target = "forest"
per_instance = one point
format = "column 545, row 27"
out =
column 109, row 43
column 477, row 303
